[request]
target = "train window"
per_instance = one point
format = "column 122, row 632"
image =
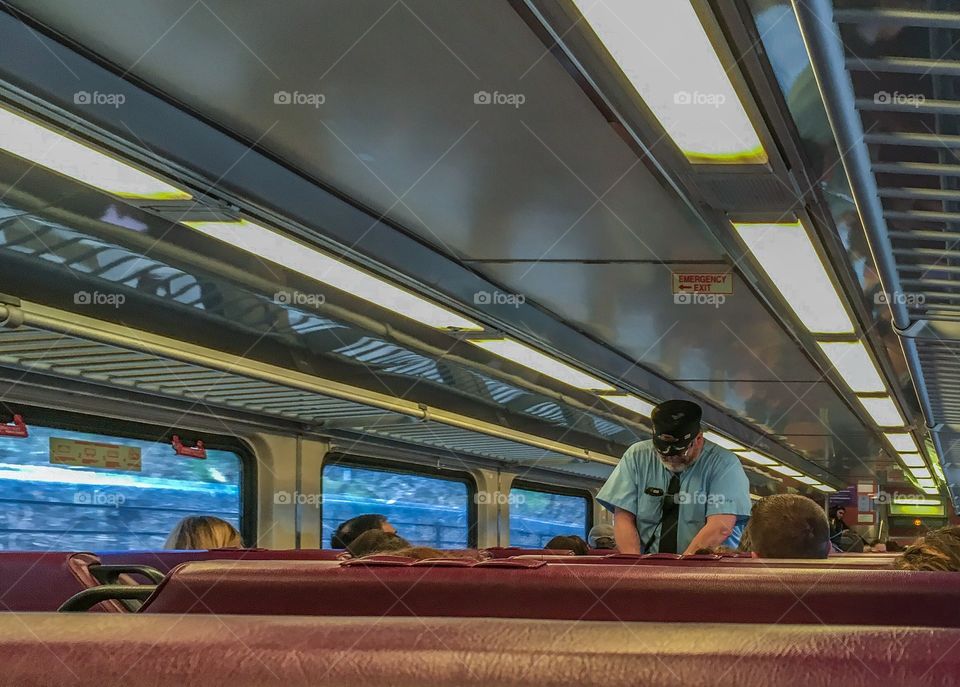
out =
column 426, row 510
column 538, row 515
column 77, row 508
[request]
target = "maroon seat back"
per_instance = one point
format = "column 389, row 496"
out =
column 705, row 560
column 519, row 588
column 43, row 580
column 203, row 651
column 165, row 561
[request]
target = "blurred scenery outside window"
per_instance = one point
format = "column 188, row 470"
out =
column 427, row 511
column 77, row 508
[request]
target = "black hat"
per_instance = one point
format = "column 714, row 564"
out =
column 675, row 426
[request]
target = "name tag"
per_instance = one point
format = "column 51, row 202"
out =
column 653, row 491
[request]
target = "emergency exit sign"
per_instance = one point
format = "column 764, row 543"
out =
column 703, row 282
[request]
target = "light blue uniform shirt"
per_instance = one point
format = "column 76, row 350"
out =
column 714, row 485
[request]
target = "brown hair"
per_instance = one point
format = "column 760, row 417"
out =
column 937, row 551
column 788, row 526
column 572, row 543
column 376, row 541
column 203, row 532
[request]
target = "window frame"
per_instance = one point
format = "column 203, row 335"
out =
column 558, row 490
column 142, row 431
column 404, row 468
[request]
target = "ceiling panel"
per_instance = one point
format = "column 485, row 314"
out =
column 632, row 307
column 402, row 134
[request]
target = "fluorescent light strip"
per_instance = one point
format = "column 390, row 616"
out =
column 825, row 488
column 666, row 54
column 540, row 362
column 64, row 155
column 806, row 480
column 915, row 501
column 927, row 483
column 785, row 470
column 938, row 471
column 637, row 405
column 273, row 246
column 787, row 256
column 853, row 363
column 902, row 442
column 883, row 411
column 912, row 460
column 931, row 490
column 757, row 458
column 921, row 473
column 723, row 442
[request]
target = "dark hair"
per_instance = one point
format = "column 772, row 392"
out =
column 893, row 546
column 788, row 526
column 354, row 527
column 937, row 550
column 376, row 541
column 571, row 543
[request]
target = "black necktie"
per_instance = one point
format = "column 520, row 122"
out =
column 671, row 514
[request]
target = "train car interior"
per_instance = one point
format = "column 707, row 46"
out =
column 383, row 342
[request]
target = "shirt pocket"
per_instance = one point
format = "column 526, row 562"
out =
column 695, row 509
column 648, row 511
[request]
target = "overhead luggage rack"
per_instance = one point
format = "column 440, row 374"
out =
column 48, row 341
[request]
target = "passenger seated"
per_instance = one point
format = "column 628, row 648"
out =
column 377, row 541
column 354, row 527
column 602, row 537
column 788, row 526
column 203, row 532
column 571, row 543
column 938, row 551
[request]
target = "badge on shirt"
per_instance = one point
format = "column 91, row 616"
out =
column 653, row 491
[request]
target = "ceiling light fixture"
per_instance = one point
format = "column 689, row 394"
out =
column 62, row 154
column 668, row 58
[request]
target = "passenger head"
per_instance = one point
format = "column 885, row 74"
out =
column 203, row 532
column 571, row 543
column 938, row 550
column 376, row 541
column 602, row 537
column 676, row 433
column 788, row 526
column 354, row 527
column 424, row 552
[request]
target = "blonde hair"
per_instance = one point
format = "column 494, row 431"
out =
column 203, row 532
